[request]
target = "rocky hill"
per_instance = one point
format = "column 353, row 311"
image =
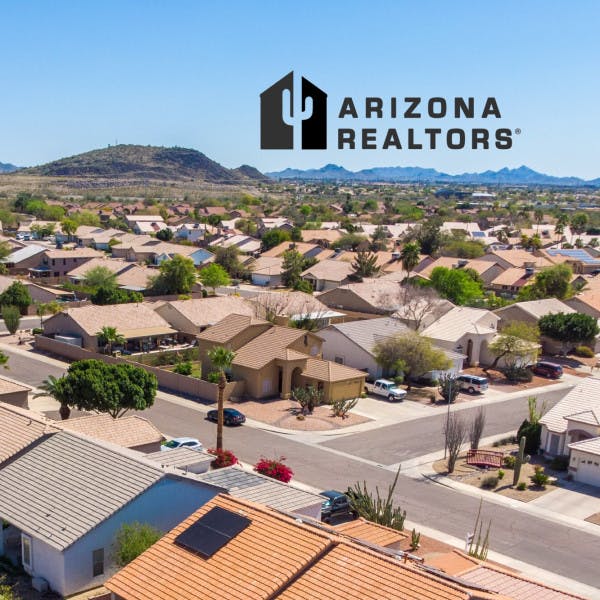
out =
column 127, row 161
column 7, row 168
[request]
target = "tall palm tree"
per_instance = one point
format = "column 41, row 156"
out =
column 111, row 336
column 221, row 358
column 52, row 387
column 410, row 256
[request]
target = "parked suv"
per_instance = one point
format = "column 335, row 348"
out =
column 472, row 383
column 335, row 504
column 547, row 369
column 388, row 389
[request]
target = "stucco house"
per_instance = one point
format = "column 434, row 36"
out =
column 74, row 494
column 141, row 326
column 353, row 344
column 328, row 274
column 372, row 297
column 57, row 263
column 266, row 271
column 273, row 360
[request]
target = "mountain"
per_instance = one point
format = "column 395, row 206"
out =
column 127, row 161
column 251, row 173
column 7, row 168
column 521, row 176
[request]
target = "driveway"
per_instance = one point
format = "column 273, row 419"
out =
column 572, row 499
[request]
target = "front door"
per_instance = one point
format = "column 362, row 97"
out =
column 553, row 444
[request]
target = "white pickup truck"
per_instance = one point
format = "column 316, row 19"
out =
column 388, row 389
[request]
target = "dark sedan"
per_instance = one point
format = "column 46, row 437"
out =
column 231, row 416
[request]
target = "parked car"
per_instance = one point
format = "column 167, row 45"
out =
column 387, row 389
column 231, row 416
column 547, row 369
column 472, row 383
column 336, row 504
column 182, row 442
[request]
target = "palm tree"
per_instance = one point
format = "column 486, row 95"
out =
column 221, row 358
column 410, row 257
column 52, row 387
column 538, row 215
column 110, row 336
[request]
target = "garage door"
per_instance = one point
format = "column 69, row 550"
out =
column 588, row 470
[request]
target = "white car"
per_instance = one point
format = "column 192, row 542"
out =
column 182, row 442
column 388, row 389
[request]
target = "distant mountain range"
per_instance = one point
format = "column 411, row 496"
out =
column 7, row 168
column 521, row 176
column 128, row 161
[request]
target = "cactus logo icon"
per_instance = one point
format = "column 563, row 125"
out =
column 287, row 121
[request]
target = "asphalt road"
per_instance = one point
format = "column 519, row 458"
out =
column 26, row 323
column 552, row 546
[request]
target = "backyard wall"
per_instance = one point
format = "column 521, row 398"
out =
column 167, row 380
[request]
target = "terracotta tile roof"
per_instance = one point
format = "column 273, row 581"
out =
column 513, row 276
column 591, row 298
column 288, row 303
column 19, row 428
column 129, row 431
column 372, row 532
column 518, row 258
column 135, row 277
column 253, row 565
column 326, row 370
column 280, row 249
column 75, row 253
column 277, row 556
column 226, row 329
column 330, row 270
column 8, row 386
column 115, row 265
column 331, row 235
column 202, row 312
column 266, row 347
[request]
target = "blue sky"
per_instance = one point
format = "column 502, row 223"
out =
column 82, row 75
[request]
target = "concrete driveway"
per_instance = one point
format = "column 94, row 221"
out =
column 572, row 499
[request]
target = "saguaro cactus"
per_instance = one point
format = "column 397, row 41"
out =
column 522, row 458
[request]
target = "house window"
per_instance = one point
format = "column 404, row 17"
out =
column 339, row 360
column 64, row 261
column 98, row 562
column 26, row 554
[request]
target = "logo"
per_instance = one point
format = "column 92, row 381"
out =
column 280, row 118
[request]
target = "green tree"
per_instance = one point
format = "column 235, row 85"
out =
column 274, row 237
column 578, row 223
column 538, row 216
column 16, row 294
column 463, row 249
column 94, row 386
column 551, row 282
column 133, row 539
column 293, row 265
column 410, row 256
column 214, row 276
column 53, row 388
column 569, row 329
column 448, row 387
column 108, row 336
column 221, row 358
column 98, row 277
column 246, row 226
column 455, row 285
column 365, row 265
column 379, row 239
column 68, row 227
column 12, row 317
column 109, row 295
column 515, row 344
column 429, row 237
column 411, row 354
column 176, row 276
column 229, row 259
column 165, row 235
column 349, row 241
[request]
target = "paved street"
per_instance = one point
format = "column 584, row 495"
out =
column 536, row 540
column 26, row 323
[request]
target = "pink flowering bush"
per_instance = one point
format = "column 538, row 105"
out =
column 274, row 468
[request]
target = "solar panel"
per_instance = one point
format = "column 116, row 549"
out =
column 212, row 531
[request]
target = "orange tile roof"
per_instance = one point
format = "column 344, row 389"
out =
column 326, row 370
column 372, row 532
column 226, row 329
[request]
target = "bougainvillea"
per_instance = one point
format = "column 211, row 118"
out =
column 223, row 458
column 274, row 468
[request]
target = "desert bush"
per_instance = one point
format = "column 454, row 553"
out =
column 500, row 474
column 584, row 352
column 213, row 377
column 509, row 461
column 517, row 374
column 415, row 540
column 274, row 468
column 183, row 368
column 522, row 486
column 489, row 482
column 539, row 478
column 341, row 408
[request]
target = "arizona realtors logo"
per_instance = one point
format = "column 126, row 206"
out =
column 284, row 115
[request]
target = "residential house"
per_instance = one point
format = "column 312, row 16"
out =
column 297, row 558
column 196, row 232
column 98, row 238
column 370, row 297
column 587, row 302
column 511, row 281
column 486, row 270
column 328, row 274
column 322, row 237
column 152, row 251
column 190, row 317
column 74, row 494
column 21, row 260
column 572, row 428
column 272, row 360
column 245, row 244
column 57, row 263
column 268, row 223
column 148, row 224
column 307, row 250
column 517, row 258
column 139, row 324
column 184, row 459
column 470, row 229
column 353, row 344
column 266, row 271
column 578, row 259
column 14, row 392
column 128, row 431
column 467, row 331
column 38, row 293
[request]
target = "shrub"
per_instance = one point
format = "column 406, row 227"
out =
column 539, row 478
column 500, row 474
column 223, row 458
column 522, row 486
column 489, row 482
column 12, row 318
column 213, row 377
column 560, row 463
column 37, row 331
column 274, row 468
column 532, row 433
column 341, row 408
column 183, row 368
column 132, row 539
column 584, row 352
column 517, row 374
column 509, row 461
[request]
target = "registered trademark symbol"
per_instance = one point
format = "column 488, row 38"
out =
column 517, row 131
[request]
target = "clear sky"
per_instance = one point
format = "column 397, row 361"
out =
column 80, row 75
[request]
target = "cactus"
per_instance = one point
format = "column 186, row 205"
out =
column 521, row 459
column 415, row 540
column 479, row 548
